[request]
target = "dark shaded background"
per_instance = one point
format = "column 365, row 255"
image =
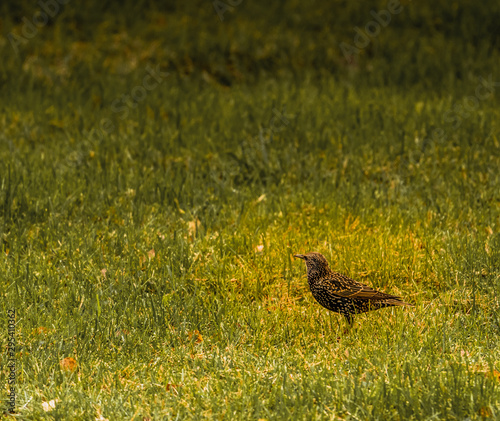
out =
column 432, row 44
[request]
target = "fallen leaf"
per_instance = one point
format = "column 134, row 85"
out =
column 196, row 334
column 41, row 330
column 121, row 332
column 172, row 386
column 494, row 374
column 485, row 412
column 68, row 364
column 50, row 405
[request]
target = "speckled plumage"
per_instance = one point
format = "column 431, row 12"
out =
column 341, row 294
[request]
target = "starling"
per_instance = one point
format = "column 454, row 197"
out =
column 341, row 294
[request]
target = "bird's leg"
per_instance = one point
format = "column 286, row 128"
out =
column 350, row 321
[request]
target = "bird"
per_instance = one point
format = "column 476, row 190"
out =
column 341, row 294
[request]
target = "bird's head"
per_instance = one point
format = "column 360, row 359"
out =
column 315, row 262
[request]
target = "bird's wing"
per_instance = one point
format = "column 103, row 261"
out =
column 349, row 288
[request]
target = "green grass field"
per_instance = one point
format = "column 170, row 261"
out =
column 159, row 167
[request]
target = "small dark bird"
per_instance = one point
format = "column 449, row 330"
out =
column 341, row 294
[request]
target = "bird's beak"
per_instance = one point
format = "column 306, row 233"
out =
column 300, row 256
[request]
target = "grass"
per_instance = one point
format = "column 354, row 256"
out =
column 151, row 266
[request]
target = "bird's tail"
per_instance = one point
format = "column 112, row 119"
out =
column 398, row 302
